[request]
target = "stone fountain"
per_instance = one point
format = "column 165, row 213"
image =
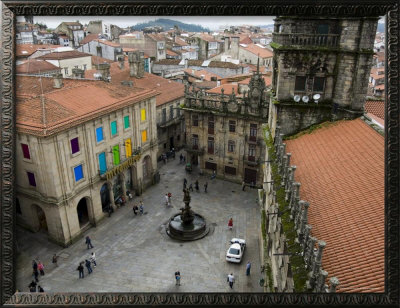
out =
column 187, row 225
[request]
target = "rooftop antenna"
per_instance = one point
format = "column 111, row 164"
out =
column 258, row 64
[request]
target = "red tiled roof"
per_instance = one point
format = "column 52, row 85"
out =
column 341, row 171
column 171, row 53
column 78, row 101
column 88, row 38
column 376, row 73
column 64, row 55
column 25, row 50
column 228, row 89
column 96, row 60
column 257, row 50
column 207, row 74
column 32, row 66
column 106, row 42
column 246, row 40
column 375, row 107
column 169, row 90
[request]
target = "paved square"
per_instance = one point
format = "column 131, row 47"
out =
column 134, row 254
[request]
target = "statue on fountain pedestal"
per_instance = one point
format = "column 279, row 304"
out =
column 187, row 214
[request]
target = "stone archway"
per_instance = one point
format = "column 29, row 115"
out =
column 82, row 210
column 147, row 170
column 105, row 197
column 41, row 216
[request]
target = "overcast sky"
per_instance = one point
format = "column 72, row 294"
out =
column 211, row 22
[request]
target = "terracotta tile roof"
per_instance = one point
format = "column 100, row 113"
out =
column 171, row 53
column 377, row 73
column 114, row 69
column 246, row 40
column 88, row 38
column 127, row 49
column 341, row 171
column 207, row 74
column 96, row 60
column 32, row 66
column 228, row 89
column 25, row 50
column 169, row 90
column 156, row 37
column 208, row 38
column 64, row 55
column 180, row 42
column 377, row 119
column 72, row 23
column 380, row 87
column 78, row 101
column 205, row 84
column 381, row 56
column 109, row 43
column 198, row 63
column 375, row 107
column 257, row 50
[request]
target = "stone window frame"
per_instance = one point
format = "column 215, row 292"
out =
column 145, row 134
column 116, row 128
column 195, row 120
column 71, row 145
column 125, row 122
column 31, row 179
column 23, row 152
column 231, row 146
column 232, row 123
column 210, row 141
column 98, row 160
column 252, row 150
column 102, row 134
column 227, row 170
column 195, row 141
column 211, row 124
column 74, row 173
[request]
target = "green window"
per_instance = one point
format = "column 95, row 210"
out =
column 116, row 154
column 126, row 121
column 113, row 128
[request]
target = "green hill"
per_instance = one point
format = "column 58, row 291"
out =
column 167, row 24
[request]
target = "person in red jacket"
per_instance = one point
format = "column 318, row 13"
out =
column 230, row 224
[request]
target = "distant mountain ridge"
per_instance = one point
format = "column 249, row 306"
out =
column 167, row 24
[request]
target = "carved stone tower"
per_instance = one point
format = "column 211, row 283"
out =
column 320, row 69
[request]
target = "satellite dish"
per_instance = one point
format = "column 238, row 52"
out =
column 316, row 97
column 296, row 98
column 305, row 99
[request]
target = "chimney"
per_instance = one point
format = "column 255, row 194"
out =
column 140, row 73
column 78, row 73
column 186, row 63
column 133, row 63
column 235, row 47
column 226, row 43
column 58, row 81
column 104, row 69
column 120, row 59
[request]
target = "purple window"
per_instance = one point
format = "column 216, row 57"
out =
column 25, row 151
column 31, row 178
column 75, row 145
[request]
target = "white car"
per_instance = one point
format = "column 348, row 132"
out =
column 236, row 250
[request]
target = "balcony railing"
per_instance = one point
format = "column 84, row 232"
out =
column 194, row 148
column 303, row 39
column 164, row 123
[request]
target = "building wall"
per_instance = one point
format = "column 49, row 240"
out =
column 57, row 192
column 108, row 52
column 71, row 63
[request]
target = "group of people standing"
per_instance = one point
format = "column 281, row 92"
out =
column 196, row 185
column 88, row 264
column 139, row 208
column 37, row 267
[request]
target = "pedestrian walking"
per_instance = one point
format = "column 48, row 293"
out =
column 88, row 266
column 32, row 286
column 231, row 280
column 141, row 208
column 181, row 158
column 230, row 224
column 169, row 199
column 191, row 187
column 93, row 259
column 164, row 158
column 248, row 267
column 166, row 200
column 40, row 289
column 214, row 175
column 196, row 185
column 184, row 181
column 54, row 260
column 41, row 268
column 177, row 278
column 135, row 209
column 109, row 210
column 36, row 275
column 243, row 185
column 88, row 242
column 80, row 269
column 34, row 265
column 205, row 187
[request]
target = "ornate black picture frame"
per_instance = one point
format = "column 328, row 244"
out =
column 12, row 8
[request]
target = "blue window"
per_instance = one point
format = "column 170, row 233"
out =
column 102, row 163
column 78, row 173
column 99, row 134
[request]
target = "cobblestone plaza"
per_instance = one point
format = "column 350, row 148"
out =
column 134, row 253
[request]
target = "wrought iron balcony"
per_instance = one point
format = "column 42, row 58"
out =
column 194, row 148
column 123, row 165
column 304, row 39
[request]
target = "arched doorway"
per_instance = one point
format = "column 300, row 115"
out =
column 41, row 218
column 82, row 212
column 105, row 197
column 147, row 169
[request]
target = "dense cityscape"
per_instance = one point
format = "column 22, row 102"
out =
column 168, row 157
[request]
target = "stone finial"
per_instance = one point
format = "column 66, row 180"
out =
column 320, row 287
column 307, row 231
column 310, row 250
column 299, row 214
column 321, row 246
column 334, row 282
column 304, row 218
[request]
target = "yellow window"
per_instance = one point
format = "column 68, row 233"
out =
column 128, row 147
column 143, row 114
column 144, row 135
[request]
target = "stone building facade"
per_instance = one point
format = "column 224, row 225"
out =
column 223, row 133
column 81, row 145
column 330, row 57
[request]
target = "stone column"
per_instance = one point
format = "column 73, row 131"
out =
column 295, row 197
column 321, row 281
column 304, row 217
column 334, row 282
column 299, row 214
column 111, row 195
column 310, row 251
column 307, row 232
column 122, row 180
